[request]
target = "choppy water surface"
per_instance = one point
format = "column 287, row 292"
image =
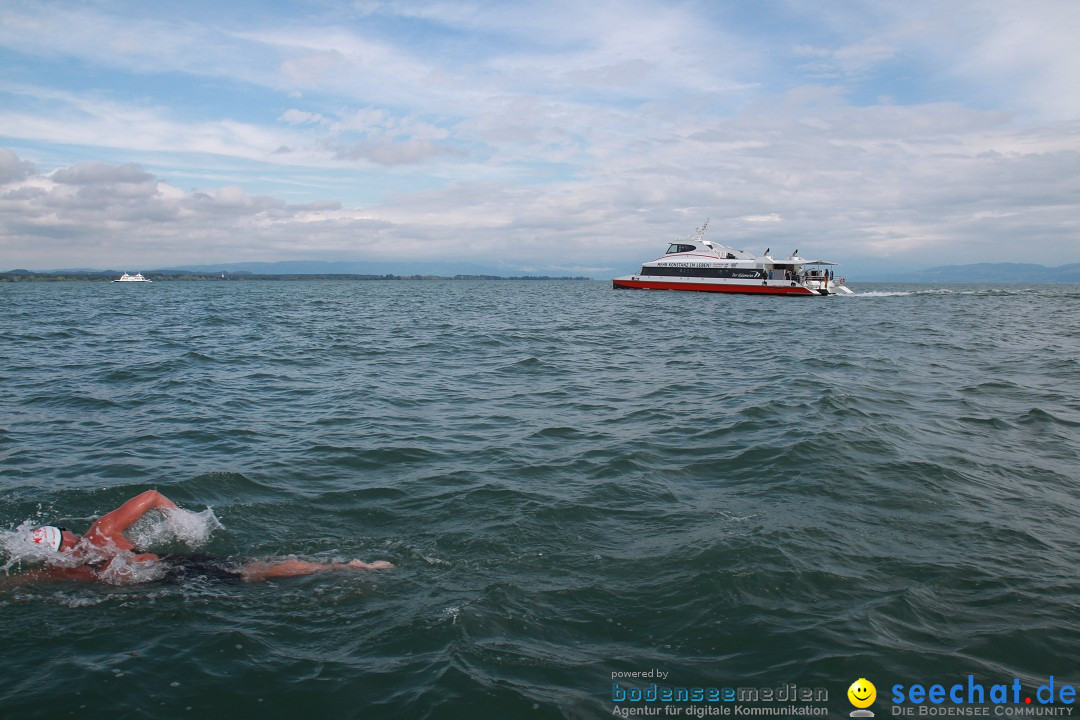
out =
column 572, row 482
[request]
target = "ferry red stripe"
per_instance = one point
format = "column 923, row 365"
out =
column 756, row 289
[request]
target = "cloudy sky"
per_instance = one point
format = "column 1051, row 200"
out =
column 559, row 137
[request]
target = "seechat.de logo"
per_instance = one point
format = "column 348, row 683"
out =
column 862, row 694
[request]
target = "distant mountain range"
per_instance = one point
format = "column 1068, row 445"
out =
column 1023, row 273
column 317, row 267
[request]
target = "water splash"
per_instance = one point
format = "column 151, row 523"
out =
column 124, row 569
column 161, row 530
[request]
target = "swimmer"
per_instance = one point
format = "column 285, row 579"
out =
column 88, row 558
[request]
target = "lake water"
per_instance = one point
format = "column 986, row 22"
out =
column 575, row 484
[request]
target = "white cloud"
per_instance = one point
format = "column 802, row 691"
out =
column 299, row 117
column 95, row 173
column 99, row 215
column 1031, row 52
column 12, row 169
column 922, row 132
column 90, row 121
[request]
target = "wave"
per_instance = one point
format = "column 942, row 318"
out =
column 570, row 481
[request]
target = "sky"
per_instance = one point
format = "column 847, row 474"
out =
column 550, row 137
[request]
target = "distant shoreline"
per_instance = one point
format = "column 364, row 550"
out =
column 981, row 273
column 28, row 276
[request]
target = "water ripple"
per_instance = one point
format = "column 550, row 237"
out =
column 571, row 481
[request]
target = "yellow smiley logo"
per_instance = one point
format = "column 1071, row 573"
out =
column 862, row 693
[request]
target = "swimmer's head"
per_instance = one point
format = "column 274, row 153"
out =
column 48, row 536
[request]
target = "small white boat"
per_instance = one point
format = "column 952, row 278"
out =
column 137, row 277
column 705, row 266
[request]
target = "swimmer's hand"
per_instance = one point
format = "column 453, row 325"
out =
column 377, row 565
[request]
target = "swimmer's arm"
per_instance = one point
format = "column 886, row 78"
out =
column 111, row 526
column 47, row 574
column 264, row 570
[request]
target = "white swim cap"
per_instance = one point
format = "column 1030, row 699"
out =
column 50, row 536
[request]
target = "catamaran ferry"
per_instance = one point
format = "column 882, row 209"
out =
column 701, row 265
column 137, row 277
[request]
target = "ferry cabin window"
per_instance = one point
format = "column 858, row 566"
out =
column 679, row 248
column 702, row 272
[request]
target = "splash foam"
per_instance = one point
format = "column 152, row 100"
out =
column 192, row 529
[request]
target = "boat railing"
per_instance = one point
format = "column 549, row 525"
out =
column 824, row 280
